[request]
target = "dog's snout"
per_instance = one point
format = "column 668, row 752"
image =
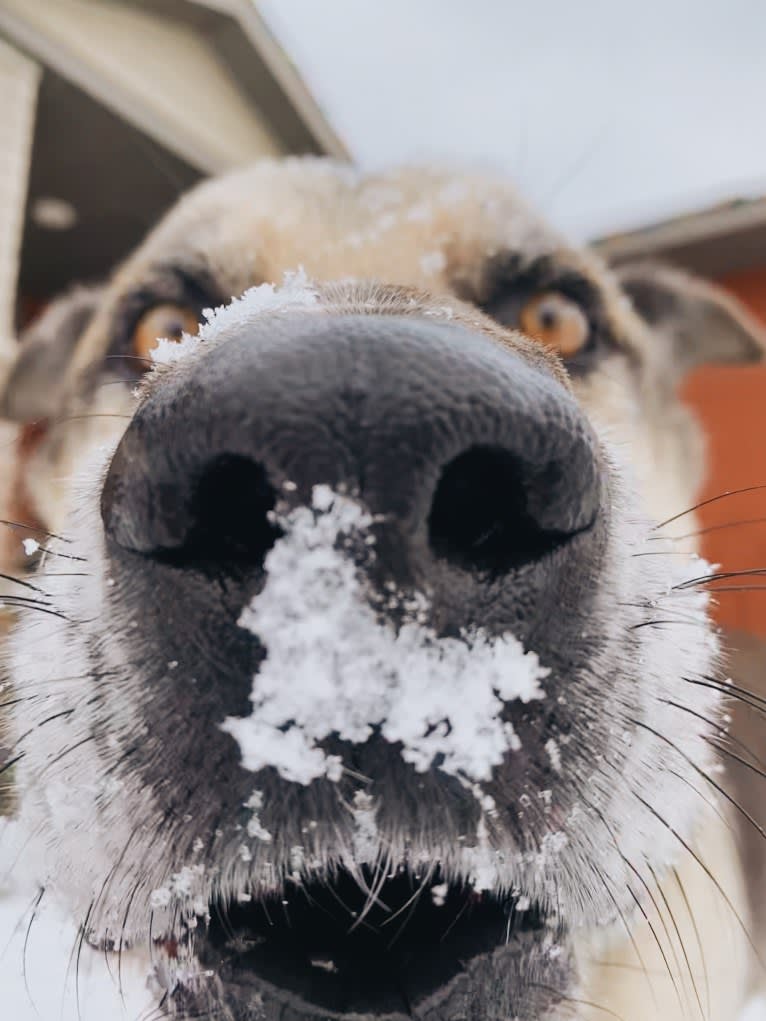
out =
column 471, row 456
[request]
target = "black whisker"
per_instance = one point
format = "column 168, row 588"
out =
column 706, row 579
column 737, row 588
column 610, row 893
column 31, row 605
column 8, row 765
column 712, row 528
column 33, row 528
column 653, row 931
column 571, row 999
column 736, row 758
column 81, row 939
column 68, row 751
column 715, row 725
column 707, row 872
column 664, row 621
column 20, row 581
column 705, row 503
column 32, row 918
column 724, row 793
column 732, row 690
column 64, row 556
column 128, row 358
column 697, row 937
column 677, row 931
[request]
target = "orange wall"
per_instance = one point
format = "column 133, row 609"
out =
column 732, row 405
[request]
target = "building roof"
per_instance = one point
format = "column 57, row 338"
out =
column 204, row 78
column 132, row 102
column 724, row 238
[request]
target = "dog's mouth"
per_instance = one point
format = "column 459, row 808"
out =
column 357, row 944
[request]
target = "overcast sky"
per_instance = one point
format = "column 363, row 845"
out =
column 608, row 114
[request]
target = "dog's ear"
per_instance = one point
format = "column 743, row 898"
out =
column 33, row 386
column 700, row 321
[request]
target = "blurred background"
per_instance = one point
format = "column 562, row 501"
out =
column 637, row 128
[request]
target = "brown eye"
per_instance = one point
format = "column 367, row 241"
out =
column 167, row 321
column 556, row 321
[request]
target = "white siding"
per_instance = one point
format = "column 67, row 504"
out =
column 18, row 93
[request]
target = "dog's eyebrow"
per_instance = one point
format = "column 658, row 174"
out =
column 186, row 284
column 510, row 272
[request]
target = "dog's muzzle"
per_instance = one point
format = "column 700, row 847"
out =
column 483, row 486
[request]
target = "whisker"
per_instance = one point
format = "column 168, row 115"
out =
column 129, row 358
column 62, row 574
column 737, row 588
column 744, row 695
column 67, row 751
column 64, row 556
column 705, row 579
column 697, row 937
column 19, row 600
column 714, row 808
column 422, row 887
column 708, row 873
column 677, row 931
column 454, row 921
column 22, row 582
column 33, row 528
column 577, row 1002
column 736, row 758
column 31, row 605
column 53, row 422
column 706, row 503
column 24, row 975
column 123, row 927
column 715, row 725
column 663, row 552
column 667, row 620
column 713, row 528
column 610, row 893
column 373, row 893
column 724, row 793
column 646, row 918
column 81, row 940
column 32, row 730
column 655, row 937
column 9, row 765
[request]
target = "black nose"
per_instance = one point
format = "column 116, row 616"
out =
column 475, row 458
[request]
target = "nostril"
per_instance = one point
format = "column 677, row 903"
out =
column 480, row 518
column 231, row 525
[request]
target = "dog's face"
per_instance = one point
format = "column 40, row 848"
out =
column 375, row 665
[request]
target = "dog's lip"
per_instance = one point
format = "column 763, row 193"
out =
column 328, row 948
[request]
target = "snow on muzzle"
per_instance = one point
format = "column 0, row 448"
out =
column 392, row 511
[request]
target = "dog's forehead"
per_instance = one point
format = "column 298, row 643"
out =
column 414, row 226
column 449, row 234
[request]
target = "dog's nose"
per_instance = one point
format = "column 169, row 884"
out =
column 472, row 455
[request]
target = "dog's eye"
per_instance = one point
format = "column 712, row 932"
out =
column 556, row 321
column 163, row 321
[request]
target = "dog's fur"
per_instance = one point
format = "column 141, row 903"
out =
column 650, row 914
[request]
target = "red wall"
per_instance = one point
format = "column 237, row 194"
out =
column 732, row 405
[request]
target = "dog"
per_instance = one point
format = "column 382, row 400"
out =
column 363, row 676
